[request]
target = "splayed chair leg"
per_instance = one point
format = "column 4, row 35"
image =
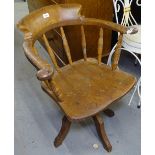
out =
column 109, row 112
column 63, row 132
column 101, row 132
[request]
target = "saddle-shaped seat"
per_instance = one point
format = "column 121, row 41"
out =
column 87, row 88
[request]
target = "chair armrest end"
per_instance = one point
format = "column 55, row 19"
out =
column 44, row 74
column 131, row 30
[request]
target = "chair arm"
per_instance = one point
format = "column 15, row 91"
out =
column 109, row 25
column 44, row 74
column 45, row 71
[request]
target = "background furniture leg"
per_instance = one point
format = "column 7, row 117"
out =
column 101, row 132
column 109, row 112
column 63, row 132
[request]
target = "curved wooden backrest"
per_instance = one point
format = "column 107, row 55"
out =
column 37, row 23
column 40, row 21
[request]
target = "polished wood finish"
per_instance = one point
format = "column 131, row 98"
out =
column 82, row 88
column 49, row 91
column 83, row 43
column 100, row 45
column 66, row 46
column 63, row 132
column 50, row 51
column 117, row 52
column 102, row 9
column 44, row 74
column 91, row 86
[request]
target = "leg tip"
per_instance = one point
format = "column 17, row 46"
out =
column 57, row 143
column 108, row 148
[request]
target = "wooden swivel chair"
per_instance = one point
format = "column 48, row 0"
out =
column 83, row 88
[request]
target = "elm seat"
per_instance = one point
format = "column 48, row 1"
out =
column 87, row 88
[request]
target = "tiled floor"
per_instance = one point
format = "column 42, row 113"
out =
column 38, row 118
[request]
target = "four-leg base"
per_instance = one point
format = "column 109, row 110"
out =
column 99, row 127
